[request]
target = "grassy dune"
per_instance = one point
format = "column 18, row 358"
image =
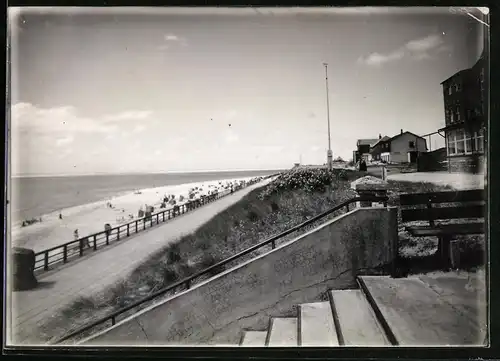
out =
column 291, row 199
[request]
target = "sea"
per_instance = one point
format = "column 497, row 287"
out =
column 32, row 197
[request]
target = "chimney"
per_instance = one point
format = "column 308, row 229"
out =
column 401, row 131
column 380, row 136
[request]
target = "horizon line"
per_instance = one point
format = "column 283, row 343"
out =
column 136, row 173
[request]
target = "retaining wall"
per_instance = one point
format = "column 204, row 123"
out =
column 244, row 297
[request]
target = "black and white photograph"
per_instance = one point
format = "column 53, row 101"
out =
column 247, row 177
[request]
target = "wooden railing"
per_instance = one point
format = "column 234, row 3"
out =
column 78, row 248
column 186, row 283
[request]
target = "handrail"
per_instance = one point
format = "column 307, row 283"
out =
column 166, row 214
column 188, row 280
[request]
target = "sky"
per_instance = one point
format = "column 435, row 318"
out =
column 152, row 90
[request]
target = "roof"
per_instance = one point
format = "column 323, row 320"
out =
column 383, row 139
column 366, row 141
column 397, row 136
column 461, row 72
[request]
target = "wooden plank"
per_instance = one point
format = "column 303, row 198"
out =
column 425, row 214
column 357, row 322
column 447, row 229
column 316, row 326
column 410, row 199
column 417, row 315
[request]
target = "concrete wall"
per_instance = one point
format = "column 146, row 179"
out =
column 473, row 163
column 302, row 270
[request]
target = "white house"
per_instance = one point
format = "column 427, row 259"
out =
column 402, row 148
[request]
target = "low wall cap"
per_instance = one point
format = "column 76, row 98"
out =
column 369, row 182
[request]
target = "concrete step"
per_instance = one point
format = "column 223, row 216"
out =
column 254, row 338
column 316, row 326
column 356, row 321
column 283, row 332
column 414, row 314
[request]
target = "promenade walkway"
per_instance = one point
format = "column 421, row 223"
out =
column 90, row 275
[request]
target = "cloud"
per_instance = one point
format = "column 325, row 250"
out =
column 231, row 137
column 424, row 44
column 28, row 118
column 139, row 128
column 418, row 49
column 128, row 115
column 171, row 37
column 315, row 148
column 269, row 148
column 64, row 141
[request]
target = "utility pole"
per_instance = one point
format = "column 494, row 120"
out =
column 329, row 155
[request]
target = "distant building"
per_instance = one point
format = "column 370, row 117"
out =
column 363, row 149
column 465, row 118
column 402, row 148
column 379, row 147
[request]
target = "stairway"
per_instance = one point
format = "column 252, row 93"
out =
column 382, row 312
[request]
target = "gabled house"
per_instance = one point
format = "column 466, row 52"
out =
column 379, row 147
column 402, row 148
column 363, row 149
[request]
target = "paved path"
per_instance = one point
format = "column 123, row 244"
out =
column 456, row 180
column 103, row 269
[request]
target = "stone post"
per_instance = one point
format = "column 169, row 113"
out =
column 370, row 187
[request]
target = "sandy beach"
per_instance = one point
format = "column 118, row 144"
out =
column 91, row 218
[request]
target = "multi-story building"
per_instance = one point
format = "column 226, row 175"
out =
column 465, row 107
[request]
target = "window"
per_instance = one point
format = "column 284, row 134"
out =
column 457, row 87
column 450, row 90
column 459, row 142
column 411, row 144
column 458, row 114
column 478, row 138
column 451, row 117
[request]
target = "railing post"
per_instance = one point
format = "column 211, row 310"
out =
column 95, row 242
column 136, row 226
column 81, row 247
column 113, row 320
column 46, row 261
column 157, row 218
column 163, row 215
column 107, row 237
column 273, row 244
column 65, row 253
column 169, row 211
column 128, row 229
column 347, row 208
column 143, row 224
column 151, row 221
column 118, row 233
column 188, row 284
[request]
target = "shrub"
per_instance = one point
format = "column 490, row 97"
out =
column 173, row 253
column 253, row 216
column 209, row 260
